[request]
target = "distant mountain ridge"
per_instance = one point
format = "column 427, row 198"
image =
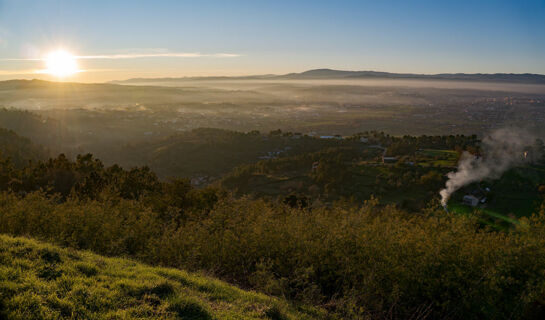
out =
column 316, row 74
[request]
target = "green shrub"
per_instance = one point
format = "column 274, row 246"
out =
column 362, row 262
column 189, row 309
column 50, row 256
column 275, row 313
column 87, row 269
column 162, row 290
column 49, row 272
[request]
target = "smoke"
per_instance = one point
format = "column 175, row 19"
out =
column 503, row 149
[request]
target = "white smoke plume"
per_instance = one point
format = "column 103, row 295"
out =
column 502, row 150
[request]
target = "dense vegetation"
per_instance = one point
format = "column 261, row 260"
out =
column 355, row 259
column 40, row 130
column 367, row 261
column 206, row 152
column 39, row 281
column 356, row 171
column 18, row 149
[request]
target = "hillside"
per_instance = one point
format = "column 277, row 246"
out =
column 345, row 74
column 359, row 260
column 207, row 152
column 493, row 77
column 417, row 169
column 41, row 281
column 41, row 130
column 19, row 149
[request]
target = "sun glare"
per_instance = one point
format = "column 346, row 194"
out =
column 61, row 64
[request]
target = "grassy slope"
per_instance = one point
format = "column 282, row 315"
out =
column 41, row 281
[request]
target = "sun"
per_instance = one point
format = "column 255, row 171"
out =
column 61, row 63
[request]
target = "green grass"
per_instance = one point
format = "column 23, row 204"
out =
column 446, row 158
column 490, row 213
column 41, row 281
column 459, row 208
column 435, row 152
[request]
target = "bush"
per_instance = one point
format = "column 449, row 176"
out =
column 87, row 269
column 366, row 262
column 189, row 309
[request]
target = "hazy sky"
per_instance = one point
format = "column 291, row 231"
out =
column 152, row 38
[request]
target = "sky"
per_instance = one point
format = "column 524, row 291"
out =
column 126, row 39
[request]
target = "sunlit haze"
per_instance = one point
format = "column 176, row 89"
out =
column 272, row 159
column 121, row 39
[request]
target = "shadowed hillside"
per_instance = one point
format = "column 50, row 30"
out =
column 19, row 149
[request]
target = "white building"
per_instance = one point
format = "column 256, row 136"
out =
column 470, row 200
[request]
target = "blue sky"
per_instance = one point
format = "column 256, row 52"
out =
column 273, row 36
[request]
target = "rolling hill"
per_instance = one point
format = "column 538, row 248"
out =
column 41, row 281
column 19, row 149
column 493, row 77
column 342, row 74
column 213, row 152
